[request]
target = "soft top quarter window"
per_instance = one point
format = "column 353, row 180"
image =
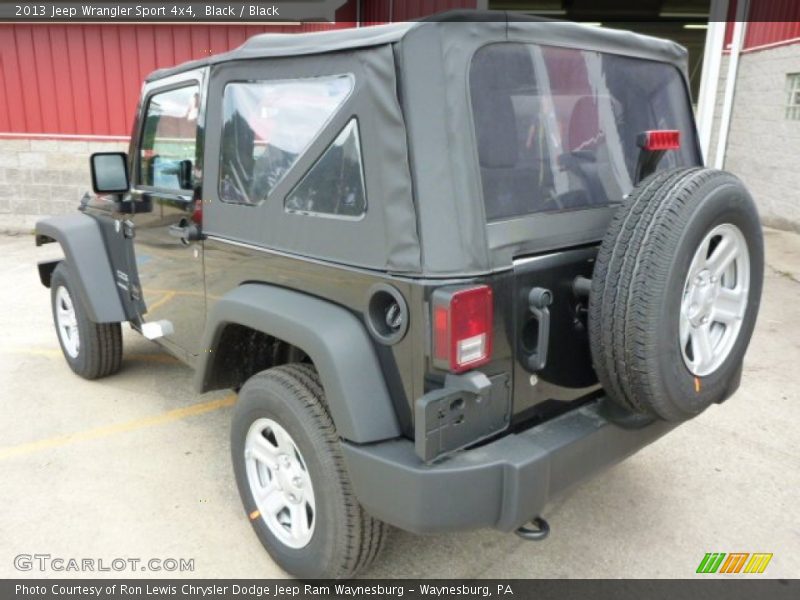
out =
column 334, row 185
column 556, row 128
column 267, row 125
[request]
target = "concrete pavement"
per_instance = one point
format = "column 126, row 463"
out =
column 137, row 465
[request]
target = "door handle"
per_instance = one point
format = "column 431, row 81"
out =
column 185, row 231
column 539, row 301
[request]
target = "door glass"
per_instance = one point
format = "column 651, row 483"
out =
column 169, row 137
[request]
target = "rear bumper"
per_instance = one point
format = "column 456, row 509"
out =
column 502, row 484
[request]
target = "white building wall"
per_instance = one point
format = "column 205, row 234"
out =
column 763, row 145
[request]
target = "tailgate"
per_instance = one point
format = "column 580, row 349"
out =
column 567, row 373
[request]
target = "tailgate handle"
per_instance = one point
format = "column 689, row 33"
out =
column 539, row 300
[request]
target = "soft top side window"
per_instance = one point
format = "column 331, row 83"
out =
column 267, row 125
column 334, row 185
column 169, row 137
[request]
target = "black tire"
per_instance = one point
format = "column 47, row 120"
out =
column 345, row 539
column 99, row 352
column 638, row 287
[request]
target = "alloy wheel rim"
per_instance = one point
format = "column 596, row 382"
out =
column 280, row 483
column 714, row 299
column 67, row 322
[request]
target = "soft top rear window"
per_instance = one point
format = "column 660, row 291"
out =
column 557, row 127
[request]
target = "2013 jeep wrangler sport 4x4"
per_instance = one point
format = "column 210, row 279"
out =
column 452, row 268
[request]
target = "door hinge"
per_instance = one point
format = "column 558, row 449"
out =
column 128, row 230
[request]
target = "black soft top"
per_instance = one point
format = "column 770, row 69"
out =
column 411, row 97
column 271, row 45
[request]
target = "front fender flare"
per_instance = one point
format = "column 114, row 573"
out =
column 334, row 339
column 85, row 252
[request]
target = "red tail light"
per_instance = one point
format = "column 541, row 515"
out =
column 661, row 139
column 462, row 327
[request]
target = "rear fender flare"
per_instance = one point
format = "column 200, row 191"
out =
column 335, row 340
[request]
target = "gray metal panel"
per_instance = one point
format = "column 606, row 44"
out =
column 386, row 237
column 86, row 256
column 335, row 340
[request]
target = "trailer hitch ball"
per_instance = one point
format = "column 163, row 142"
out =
column 536, row 531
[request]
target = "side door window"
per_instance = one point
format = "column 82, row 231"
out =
column 169, row 138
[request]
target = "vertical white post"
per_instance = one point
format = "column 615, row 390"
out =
column 730, row 82
column 709, row 78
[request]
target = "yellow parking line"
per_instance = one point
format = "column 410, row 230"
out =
column 162, row 301
column 107, row 430
column 160, row 358
column 149, row 290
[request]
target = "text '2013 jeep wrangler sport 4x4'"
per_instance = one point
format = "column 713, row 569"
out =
column 452, row 267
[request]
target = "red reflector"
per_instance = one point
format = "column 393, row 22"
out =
column 441, row 333
column 662, row 139
column 462, row 328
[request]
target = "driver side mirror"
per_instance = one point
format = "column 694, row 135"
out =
column 110, row 172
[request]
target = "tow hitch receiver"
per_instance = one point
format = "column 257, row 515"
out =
column 536, row 531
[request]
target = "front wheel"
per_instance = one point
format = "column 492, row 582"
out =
column 92, row 350
column 292, row 478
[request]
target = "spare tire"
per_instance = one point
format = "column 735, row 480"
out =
column 675, row 292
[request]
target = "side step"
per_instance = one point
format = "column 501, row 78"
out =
column 156, row 329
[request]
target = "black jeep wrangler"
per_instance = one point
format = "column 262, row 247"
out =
column 452, row 267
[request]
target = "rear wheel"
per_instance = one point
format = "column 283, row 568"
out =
column 292, row 479
column 92, row 350
column 675, row 293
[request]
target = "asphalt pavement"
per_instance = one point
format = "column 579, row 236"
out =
column 137, row 466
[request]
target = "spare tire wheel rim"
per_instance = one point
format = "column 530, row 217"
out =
column 714, row 299
column 280, row 483
column 67, row 322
